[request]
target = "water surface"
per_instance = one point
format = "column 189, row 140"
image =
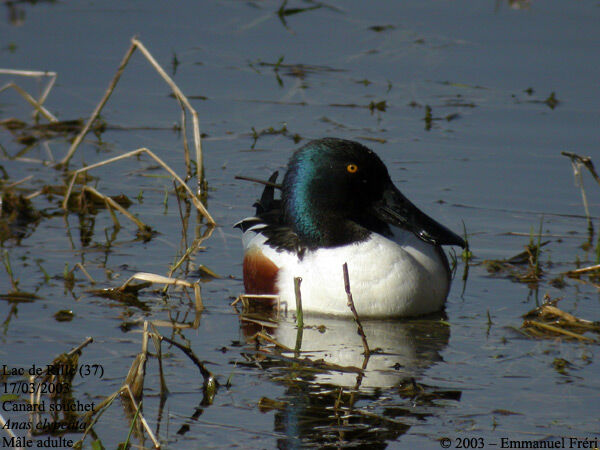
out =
column 266, row 77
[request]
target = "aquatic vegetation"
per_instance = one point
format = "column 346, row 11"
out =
column 549, row 321
column 18, row 216
column 524, row 267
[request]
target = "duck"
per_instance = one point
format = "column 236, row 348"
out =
column 338, row 205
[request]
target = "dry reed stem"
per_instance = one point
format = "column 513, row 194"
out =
column 153, row 278
column 198, row 298
column 136, row 44
column 547, row 327
column 554, row 311
column 29, row 99
column 263, row 323
column 37, row 104
column 34, row 195
column 576, row 162
column 186, row 147
column 206, row 374
column 35, row 74
column 81, row 346
column 268, row 338
column 298, row 294
column 137, row 372
column 361, row 332
column 99, row 107
column 183, row 99
column 102, row 407
column 299, row 316
column 195, row 245
column 87, row 341
column 35, row 399
column 109, row 201
column 557, row 317
column 579, row 181
column 145, row 338
column 113, row 216
column 158, row 347
column 135, row 375
column 197, row 203
column 585, row 160
column 576, row 272
column 30, row 160
column 242, row 297
column 256, row 180
column 16, row 183
column 85, row 272
column 141, row 417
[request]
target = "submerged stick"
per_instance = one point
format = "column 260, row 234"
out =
column 361, row 332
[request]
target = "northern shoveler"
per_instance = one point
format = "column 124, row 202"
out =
column 338, row 205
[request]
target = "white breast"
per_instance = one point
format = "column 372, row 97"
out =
column 399, row 278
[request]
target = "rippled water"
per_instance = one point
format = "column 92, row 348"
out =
column 266, row 77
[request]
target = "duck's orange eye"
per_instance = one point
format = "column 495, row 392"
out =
column 352, row 168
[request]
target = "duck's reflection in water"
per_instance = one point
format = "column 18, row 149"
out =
column 337, row 396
